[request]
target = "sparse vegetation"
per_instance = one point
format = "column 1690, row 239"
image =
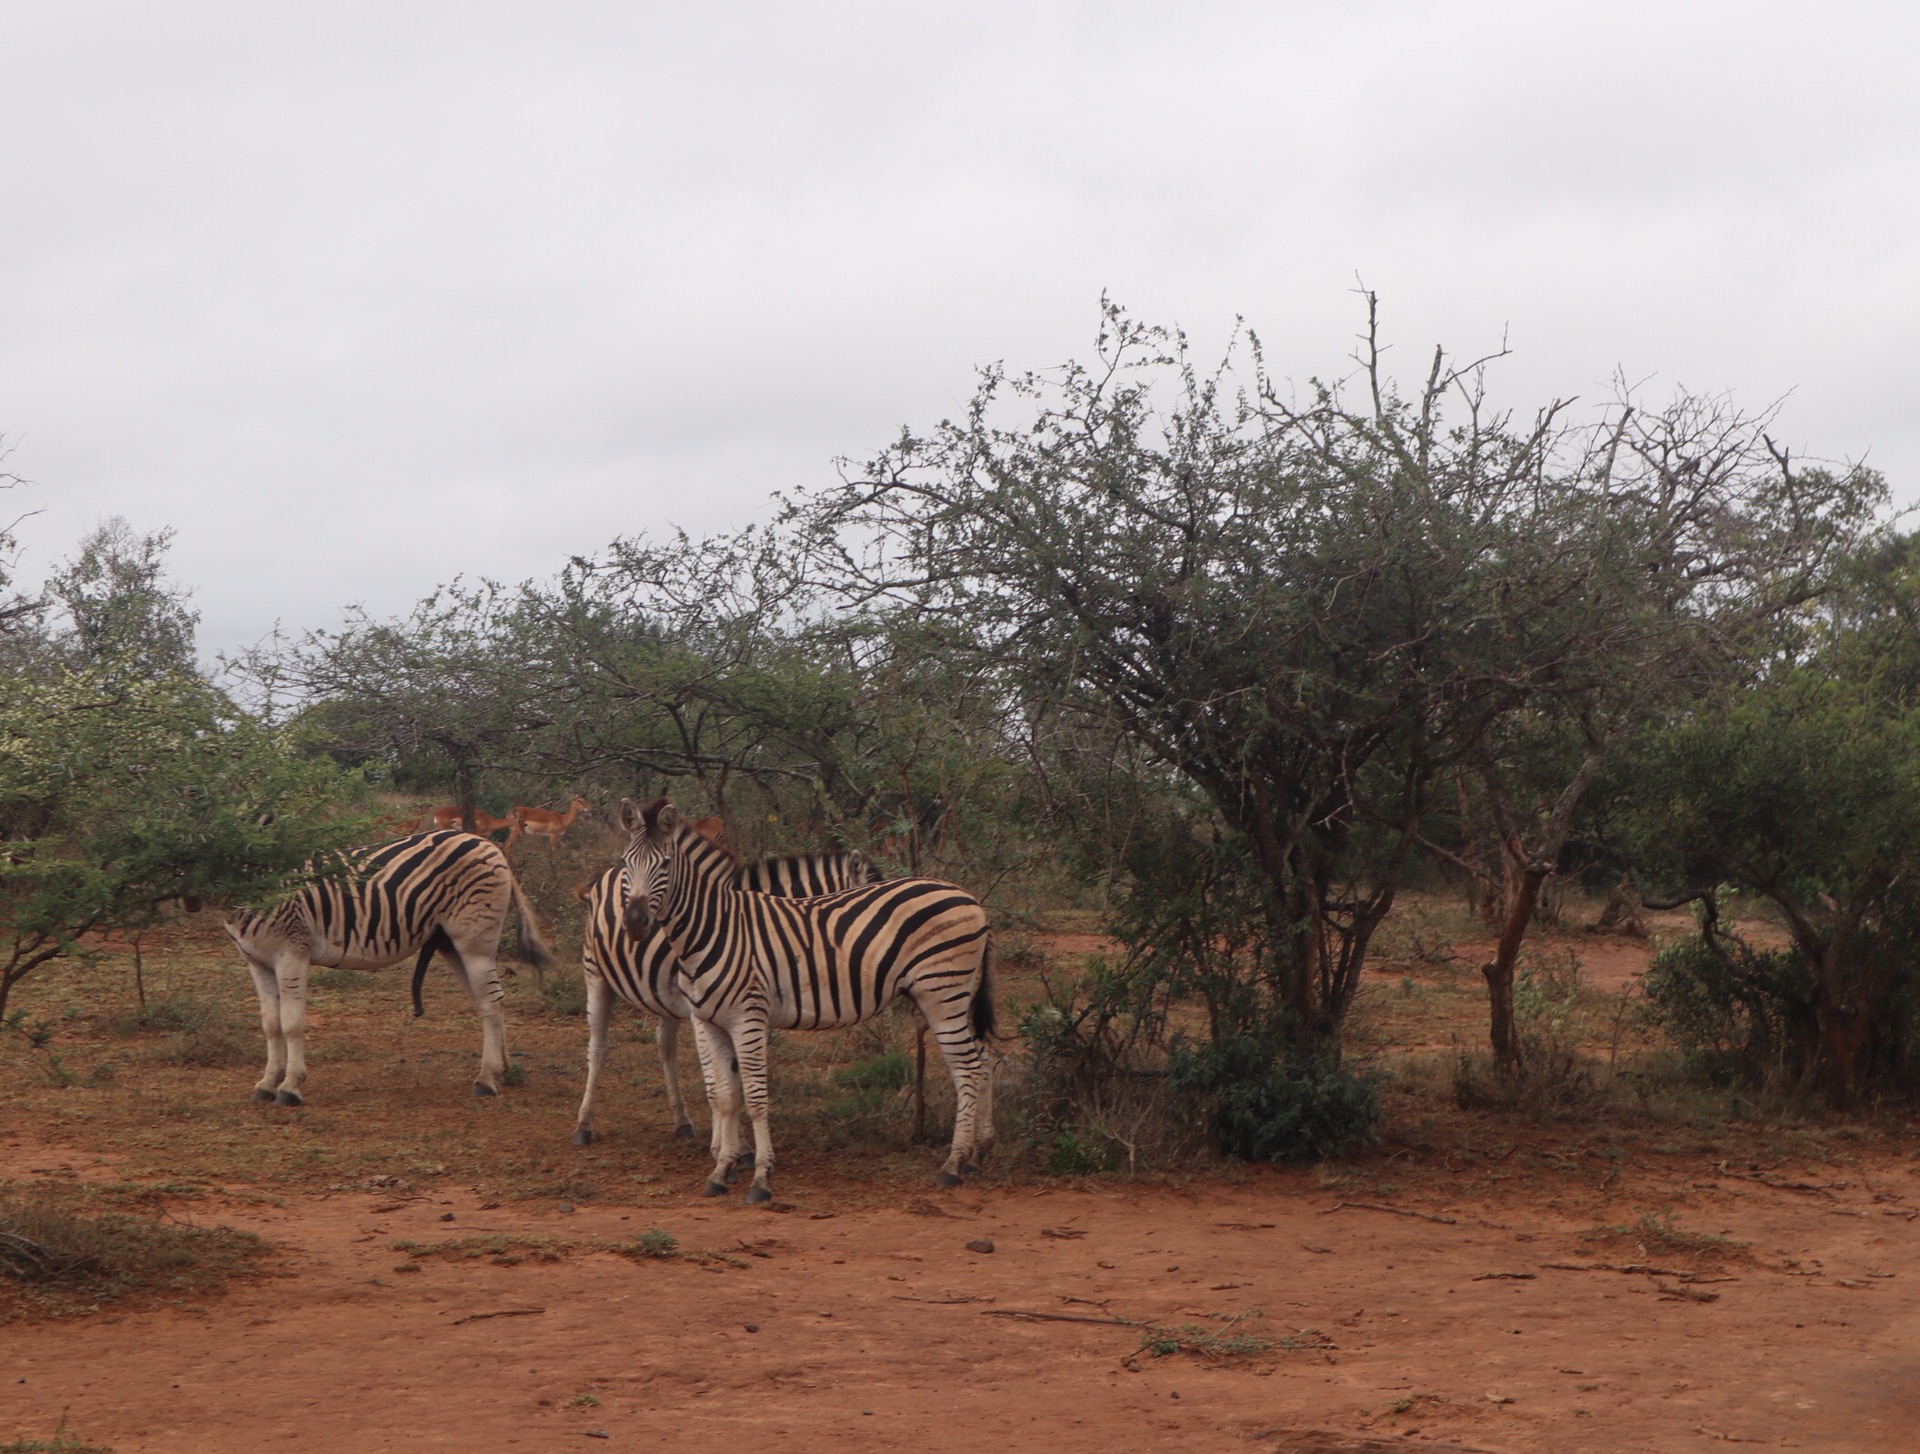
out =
column 70, row 1249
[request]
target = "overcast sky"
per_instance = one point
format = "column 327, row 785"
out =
column 360, row 296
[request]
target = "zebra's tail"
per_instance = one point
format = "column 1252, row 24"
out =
column 533, row 949
column 982, row 1008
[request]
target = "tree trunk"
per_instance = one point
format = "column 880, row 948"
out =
column 463, row 776
column 1499, row 970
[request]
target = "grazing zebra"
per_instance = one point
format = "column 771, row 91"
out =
column 641, row 969
column 749, row 962
column 442, row 890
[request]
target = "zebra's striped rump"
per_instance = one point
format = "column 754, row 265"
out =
column 749, row 962
column 442, row 890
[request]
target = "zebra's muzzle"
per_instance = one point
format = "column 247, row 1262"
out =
column 636, row 920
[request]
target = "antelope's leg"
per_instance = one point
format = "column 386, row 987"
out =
column 599, row 1013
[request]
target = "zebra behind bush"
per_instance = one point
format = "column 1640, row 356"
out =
column 443, row 890
column 750, row 961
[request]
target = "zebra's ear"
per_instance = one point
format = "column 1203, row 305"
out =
column 668, row 816
column 631, row 817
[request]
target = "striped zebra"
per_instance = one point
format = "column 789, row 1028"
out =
column 641, row 969
column 442, row 890
column 749, row 962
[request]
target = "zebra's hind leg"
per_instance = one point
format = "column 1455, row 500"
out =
column 482, row 978
column 268, row 988
column 666, row 1037
column 966, row 1059
column 290, row 968
column 599, row 1013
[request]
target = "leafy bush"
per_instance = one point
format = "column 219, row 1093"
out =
column 1070, row 1155
column 1738, row 1014
column 1263, row 1104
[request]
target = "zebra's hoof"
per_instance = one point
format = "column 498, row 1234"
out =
column 733, row 1173
column 967, row 1168
column 263, row 1095
column 481, row 1088
column 583, row 1137
column 288, row 1098
column 683, row 1131
column 759, row 1196
column 947, row 1178
column 745, row 1163
column 716, row 1189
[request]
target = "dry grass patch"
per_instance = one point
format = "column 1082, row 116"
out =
column 67, row 1250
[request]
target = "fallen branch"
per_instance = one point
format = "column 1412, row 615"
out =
column 1383, row 1207
column 1033, row 1317
column 1637, row 1269
column 1689, row 1294
column 1806, row 1186
column 1505, row 1276
column 902, row 1297
column 503, row 1313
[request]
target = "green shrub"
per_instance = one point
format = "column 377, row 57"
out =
column 1069, row 1155
column 1262, row 1103
column 889, row 1071
column 1739, row 1015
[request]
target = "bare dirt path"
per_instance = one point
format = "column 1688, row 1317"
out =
column 859, row 1320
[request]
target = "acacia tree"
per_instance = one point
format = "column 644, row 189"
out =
column 457, row 675
column 1668, row 548
column 1294, row 606
column 120, row 793
column 1801, row 785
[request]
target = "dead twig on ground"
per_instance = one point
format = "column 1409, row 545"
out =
column 1033, row 1317
column 1397, row 1211
column 1638, row 1269
column 502, row 1313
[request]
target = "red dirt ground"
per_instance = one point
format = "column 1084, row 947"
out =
column 1442, row 1325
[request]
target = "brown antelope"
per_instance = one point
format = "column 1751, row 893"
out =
column 484, row 823
column 547, row 823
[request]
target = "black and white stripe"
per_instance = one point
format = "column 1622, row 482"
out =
column 749, row 962
column 445, row 890
column 807, row 875
column 640, row 968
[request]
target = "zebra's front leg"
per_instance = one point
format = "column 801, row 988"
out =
column 704, row 1052
column 666, row 1039
column 267, row 986
column 599, row 1013
column 723, row 1098
column 750, row 1053
column 714, row 1067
